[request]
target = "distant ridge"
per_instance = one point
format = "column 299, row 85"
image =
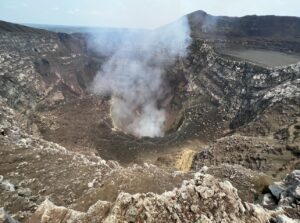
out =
column 202, row 24
column 12, row 27
column 247, row 26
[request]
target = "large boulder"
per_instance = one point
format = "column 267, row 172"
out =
column 288, row 191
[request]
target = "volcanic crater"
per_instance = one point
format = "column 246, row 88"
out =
column 224, row 106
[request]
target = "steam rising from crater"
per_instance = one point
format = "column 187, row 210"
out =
column 133, row 74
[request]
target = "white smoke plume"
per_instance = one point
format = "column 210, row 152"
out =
column 133, row 74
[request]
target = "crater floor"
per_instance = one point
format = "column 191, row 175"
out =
column 266, row 58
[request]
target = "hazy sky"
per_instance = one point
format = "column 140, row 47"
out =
column 133, row 13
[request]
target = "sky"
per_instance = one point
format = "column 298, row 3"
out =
column 133, row 13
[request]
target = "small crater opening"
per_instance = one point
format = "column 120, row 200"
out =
column 297, row 127
column 3, row 132
column 143, row 120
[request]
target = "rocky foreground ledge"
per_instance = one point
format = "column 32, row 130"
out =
column 202, row 199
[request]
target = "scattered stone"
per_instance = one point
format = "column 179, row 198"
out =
column 91, row 184
column 24, row 192
column 6, row 185
column 131, row 214
column 268, row 200
column 277, row 189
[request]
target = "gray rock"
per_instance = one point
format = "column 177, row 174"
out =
column 24, row 192
column 287, row 191
column 6, row 185
column 131, row 214
column 268, row 200
column 277, row 189
column 5, row 218
column 284, row 219
column 297, row 193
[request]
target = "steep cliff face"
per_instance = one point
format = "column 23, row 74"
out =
column 244, row 90
column 236, row 117
column 39, row 67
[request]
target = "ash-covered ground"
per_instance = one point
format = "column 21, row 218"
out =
column 197, row 121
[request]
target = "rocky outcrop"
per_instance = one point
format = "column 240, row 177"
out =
column 203, row 199
column 287, row 192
